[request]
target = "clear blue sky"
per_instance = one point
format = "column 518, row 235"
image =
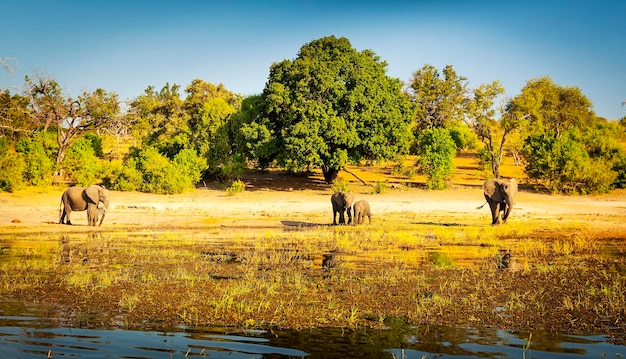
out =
column 126, row 46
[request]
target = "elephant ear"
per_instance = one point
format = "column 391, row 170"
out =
column 93, row 193
column 493, row 189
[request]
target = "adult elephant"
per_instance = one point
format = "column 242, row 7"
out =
column 500, row 194
column 361, row 210
column 342, row 202
column 80, row 199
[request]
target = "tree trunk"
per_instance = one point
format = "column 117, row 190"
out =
column 330, row 174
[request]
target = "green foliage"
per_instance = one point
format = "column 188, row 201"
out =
column 38, row 165
column 463, row 137
column 12, row 166
column 96, row 143
column 236, row 187
column 123, row 176
column 330, row 106
column 341, row 185
column 441, row 101
column 381, row 187
column 400, row 169
column 147, row 170
column 436, row 150
column 563, row 164
column 620, row 168
column 160, row 121
column 235, row 166
column 81, row 163
column 190, row 165
column 210, row 110
column 551, row 107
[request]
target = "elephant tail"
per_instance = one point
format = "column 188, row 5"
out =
column 479, row 207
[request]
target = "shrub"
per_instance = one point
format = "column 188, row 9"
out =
column 38, row 166
column 13, row 166
column 148, row 170
column 81, row 163
column 190, row 165
column 464, row 138
column 96, row 144
column 563, row 165
column 340, row 185
column 123, row 176
column 436, row 150
column 236, row 187
column 381, row 187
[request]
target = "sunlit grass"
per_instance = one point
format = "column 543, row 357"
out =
column 409, row 269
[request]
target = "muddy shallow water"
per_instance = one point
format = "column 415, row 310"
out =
column 298, row 289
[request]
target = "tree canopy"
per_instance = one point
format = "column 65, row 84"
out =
column 330, row 106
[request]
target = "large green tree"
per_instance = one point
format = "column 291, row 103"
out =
column 159, row 120
column 492, row 124
column 210, row 109
column 441, row 100
column 551, row 107
column 568, row 148
column 70, row 117
column 330, row 106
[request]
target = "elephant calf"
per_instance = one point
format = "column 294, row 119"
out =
column 93, row 213
column 361, row 210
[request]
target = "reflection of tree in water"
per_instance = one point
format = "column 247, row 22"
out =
column 94, row 250
column 432, row 341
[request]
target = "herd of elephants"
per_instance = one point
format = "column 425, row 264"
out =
column 499, row 193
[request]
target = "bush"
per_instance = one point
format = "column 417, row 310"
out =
column 436, row 150
column 13, row 166
column 123, row 176
column 190, row 165
column 96, row 144
column 148, row 170
column 81, row 163
column 236, row 187
column 564, row 166
column 340, row 185
column 464, row 138
column 38, row 166
column 381, row 187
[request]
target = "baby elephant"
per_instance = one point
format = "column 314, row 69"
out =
column 361, row 209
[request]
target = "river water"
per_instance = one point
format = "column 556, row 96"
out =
column 28, row 334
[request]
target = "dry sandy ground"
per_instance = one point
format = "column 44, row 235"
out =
column 30, row 210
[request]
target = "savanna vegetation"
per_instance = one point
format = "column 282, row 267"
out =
column 329, row 107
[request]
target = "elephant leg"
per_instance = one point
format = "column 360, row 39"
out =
column 67, row 212
column 334, row 217
column 495, row 208
column 507, row 211
column 349, row 215
column 342, row 217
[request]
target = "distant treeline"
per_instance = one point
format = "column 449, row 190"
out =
column 328, row 107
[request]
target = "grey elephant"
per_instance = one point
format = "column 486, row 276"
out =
column 80, row 199
column 500, row 194
column 342, row 201
column 361, row 210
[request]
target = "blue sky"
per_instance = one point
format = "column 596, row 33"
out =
column 124, row 47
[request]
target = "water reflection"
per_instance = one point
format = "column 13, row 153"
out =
column 26, row 336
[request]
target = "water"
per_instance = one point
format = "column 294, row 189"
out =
column 30, row 335
column 28, row 331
